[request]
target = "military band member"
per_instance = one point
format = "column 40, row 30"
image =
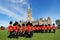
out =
column 54, row 28
column 49, row 28
column 23, row 30
column 46, row 28
column 42, row 28
column 10, row 29
column 16, row 30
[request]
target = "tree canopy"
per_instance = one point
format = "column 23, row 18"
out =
column 58, row 23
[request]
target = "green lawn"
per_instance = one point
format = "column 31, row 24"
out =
column 36, row 36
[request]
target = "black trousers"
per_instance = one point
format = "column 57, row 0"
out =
column 37, row 31
column 26, row 33
column 23, row 34
column 53, row 30
column 49, row 30
column 29, row 35
column 45, row 31
column 15, row 34
column 19, row 33
column 10, row 35
column 34, row 31
column 42, row 31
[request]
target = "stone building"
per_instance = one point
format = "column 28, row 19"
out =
column 29, row 15
column 42, row 21
column 35, row 22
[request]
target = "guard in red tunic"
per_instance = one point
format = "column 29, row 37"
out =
column 49, row 27
column 35, row 28
column 38, row 28
column 10, row 29
column 23, row 30
column 46, row 28
column 26, row 30
column 54, row 28
column 42, row 28
column 19, row 30
column 31, row 30
column 15, row 29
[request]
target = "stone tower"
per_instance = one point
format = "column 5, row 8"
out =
column 49, row 20
column 29, row 18
column 40, row 21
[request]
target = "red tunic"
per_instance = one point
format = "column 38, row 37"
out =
column 33, row 28
column 49, row 27
column 10, row 28
column 23, row 28
column 19, row 29
column 29, row 28
column 38, row 28
column 15, row 28
column 43, row 27
column 53, row 27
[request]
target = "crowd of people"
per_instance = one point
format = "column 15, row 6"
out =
column 27, row 30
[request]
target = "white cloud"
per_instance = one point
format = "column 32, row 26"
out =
column 18, row 7
column 21, row 10
column 19, row 1
column 11, row 14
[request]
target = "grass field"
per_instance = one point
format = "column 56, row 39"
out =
column 36, row 36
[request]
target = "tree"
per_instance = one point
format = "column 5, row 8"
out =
column 2, row 27
column 58, row 23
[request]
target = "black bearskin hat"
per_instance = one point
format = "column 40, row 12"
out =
column 10, row 22
column 23, row 24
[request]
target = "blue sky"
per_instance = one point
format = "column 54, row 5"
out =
column 15, row 10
